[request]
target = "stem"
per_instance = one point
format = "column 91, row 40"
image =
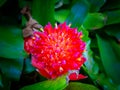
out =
column 31, row 25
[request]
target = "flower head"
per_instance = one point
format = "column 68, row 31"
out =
column 56, row 51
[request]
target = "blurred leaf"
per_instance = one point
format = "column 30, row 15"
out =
column 5, row 83
column 66, row 1
column 43, row 11
column 95, row 5
column 11, row 42
column 94, row 21
column 61, row 15
column 85, row 34
column 58, row 4
column 28, row 66
column 1, row 84
column 57, row 84
column 110, row 56
column 80, row 86
column 23, row 3
column 106, row 82
column 78, row 13
column 2, row 2
column 113, row 17
column 91, row 66
column 113, row 30
column 11, row 68
column 111, row 5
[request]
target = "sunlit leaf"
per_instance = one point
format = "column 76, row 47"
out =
column 57, row 84
column 94, row 21
column 80, row 86
column 61, row 15
column 85, row 34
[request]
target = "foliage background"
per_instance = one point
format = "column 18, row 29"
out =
column 99, row 20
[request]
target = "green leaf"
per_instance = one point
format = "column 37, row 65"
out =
column 110, row 56
column 94, row 21
column 113, row 17
column 80, row 86
column 61, row 15
column 78, row 13
column 91, row 66
column 95, row 5
column 11, row 42
column 85, row 34
column 43, row 11
column 106, row 82
column 2, row 2
column 57, row 84
column 11, row 68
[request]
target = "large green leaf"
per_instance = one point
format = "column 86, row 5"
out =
column 112, row 17
column 43, row 11
column 80, row 86
column 78, row 13
column 94, row 21
column 11, row 68
column 11, row 52
column 110, row 56
column 11, row 42
column 57, row 84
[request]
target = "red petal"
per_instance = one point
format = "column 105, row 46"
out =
column 74, row 76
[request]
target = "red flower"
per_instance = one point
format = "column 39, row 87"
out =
column 56, row 51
